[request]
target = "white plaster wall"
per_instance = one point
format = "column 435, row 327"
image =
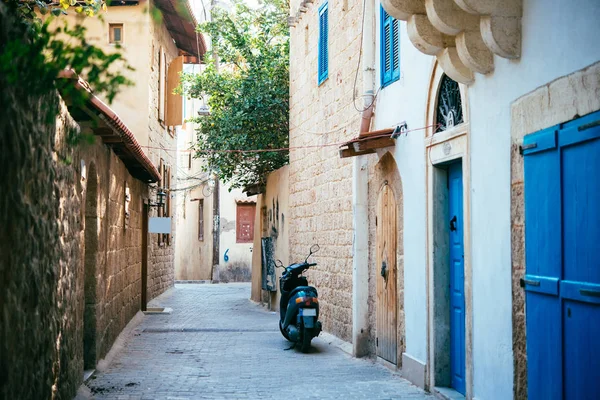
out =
column 193, row 258
column 405, row 100
column 238, row 252
column 557, row 39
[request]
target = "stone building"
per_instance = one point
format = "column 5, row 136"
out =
column 156, row 38
column 442, row 200
column 77, row 260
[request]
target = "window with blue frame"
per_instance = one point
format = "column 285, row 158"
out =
column 323, row 42
column 390, row 48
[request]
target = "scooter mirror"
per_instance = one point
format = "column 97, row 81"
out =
column 279, row 264
column 314, row 248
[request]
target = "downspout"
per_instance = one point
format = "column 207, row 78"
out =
column 216, row 194
column 360, row 198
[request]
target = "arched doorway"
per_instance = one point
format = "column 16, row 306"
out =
column 389, row 266
column 90, row 261
column 448, row 232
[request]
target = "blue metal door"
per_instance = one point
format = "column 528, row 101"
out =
column 457, row 278
column 562, row 281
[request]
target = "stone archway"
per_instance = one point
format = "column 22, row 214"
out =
column 90, row 273
column 386, row 184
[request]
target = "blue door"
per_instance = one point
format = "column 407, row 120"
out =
column 562, row 280
column 457, row 278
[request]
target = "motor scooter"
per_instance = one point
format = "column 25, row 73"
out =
column 299, row 304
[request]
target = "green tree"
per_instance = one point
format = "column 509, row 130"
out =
column 247, row 94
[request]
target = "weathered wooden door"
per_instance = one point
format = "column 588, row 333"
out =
column 562, row 281
column 457, row 278
column 245, row 223
column 387, row 291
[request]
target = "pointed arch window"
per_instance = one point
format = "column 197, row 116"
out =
column 449, row 110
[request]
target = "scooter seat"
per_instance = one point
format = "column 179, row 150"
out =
column 309, row 289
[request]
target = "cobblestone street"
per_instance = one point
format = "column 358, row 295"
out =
column 216, row 344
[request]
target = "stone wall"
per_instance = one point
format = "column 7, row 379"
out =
column 162, row 146
column 29, row 247
column 116, row 262
column 44, row 215
column 321, row 182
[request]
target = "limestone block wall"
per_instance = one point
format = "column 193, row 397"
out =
column 119, row 250
column 162, row 145
column 271, row 220
column 44, row 253
column 320, row 182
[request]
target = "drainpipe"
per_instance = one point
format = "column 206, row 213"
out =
column 216, row 194
column 360, row 200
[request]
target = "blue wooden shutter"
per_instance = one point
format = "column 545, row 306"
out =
column 395, row 49
column 390, row 49
column 323, row 43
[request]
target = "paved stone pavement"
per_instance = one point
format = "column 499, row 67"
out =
column 216, row 344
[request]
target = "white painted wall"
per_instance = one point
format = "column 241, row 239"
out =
column 238, row 252
column 193, row 258
column 557, row 39
column 405, row 100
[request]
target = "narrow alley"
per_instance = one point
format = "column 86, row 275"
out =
column 217, row 344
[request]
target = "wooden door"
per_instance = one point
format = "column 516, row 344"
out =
column 245, row 223
column 386, row 273
column 562, row 280
column 457, row 278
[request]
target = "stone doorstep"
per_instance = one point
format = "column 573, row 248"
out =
column 196, row 282
column 446, row 393
column 87, row 375
column 157, row 310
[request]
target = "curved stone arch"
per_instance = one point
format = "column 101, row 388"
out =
column 464, row 35
column 442, row 149
column 90, row 261
column 437, row 74
column 386, row 172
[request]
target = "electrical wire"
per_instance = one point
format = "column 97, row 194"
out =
column 359, row 139
column 362, row 31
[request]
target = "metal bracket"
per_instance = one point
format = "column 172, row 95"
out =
column 527, row 147
column 588, row 126
column 523, row 282
column 587, row 292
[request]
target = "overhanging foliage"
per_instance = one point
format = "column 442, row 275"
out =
column 247, row 94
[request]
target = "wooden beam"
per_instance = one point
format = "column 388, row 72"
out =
column 350, row 152
column 112, row 139
column 374, row 144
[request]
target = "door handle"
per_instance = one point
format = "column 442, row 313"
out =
column 453, row 224
column 588, row 292
column 529, row 282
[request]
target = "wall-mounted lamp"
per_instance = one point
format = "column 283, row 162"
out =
column 203, row 110
column 211, row 182
column 160, row 199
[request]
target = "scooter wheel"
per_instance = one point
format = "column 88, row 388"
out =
column 306, row 338
column 283, row 332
